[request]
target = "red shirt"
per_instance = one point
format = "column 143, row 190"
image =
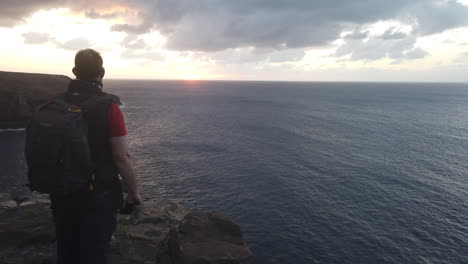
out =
column 116, row 121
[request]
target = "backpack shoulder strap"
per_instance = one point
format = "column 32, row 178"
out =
column 94, row 101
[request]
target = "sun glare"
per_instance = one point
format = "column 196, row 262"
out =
column 192, row 76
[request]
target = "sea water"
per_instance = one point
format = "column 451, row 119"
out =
column 312, row 172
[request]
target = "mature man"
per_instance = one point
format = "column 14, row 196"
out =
column 86, row 220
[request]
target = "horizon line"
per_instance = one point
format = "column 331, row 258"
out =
column 247, row 80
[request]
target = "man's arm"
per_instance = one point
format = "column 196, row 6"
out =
column 124, row 163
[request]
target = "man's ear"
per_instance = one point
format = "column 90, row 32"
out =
column 74, row 71
column 103, row 72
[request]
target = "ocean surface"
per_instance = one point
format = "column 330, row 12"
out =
column 313, row 172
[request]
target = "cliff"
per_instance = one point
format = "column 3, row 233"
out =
column 21, row 93
column 161, row 232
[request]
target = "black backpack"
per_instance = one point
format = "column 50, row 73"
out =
column 56, row 148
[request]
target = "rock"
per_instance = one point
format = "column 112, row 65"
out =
column 8, row 204
column 22, row 198
column 27, row 235
column 204, row 238
column 35, row 201
column 21, row 93
column 139, row 235
column 4, row 197
column 6, row 201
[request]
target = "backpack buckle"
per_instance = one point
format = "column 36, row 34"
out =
column 91, row 184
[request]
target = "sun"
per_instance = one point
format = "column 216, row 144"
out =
column 192, row 76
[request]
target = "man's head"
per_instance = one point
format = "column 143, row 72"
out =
column 88, row 65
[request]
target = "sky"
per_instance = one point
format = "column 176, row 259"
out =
column 287, row 40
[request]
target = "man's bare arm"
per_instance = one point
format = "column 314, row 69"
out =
column 124, row 163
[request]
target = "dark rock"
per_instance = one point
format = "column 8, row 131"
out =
column 204, row 238
column 22, row 198
column 153, row 233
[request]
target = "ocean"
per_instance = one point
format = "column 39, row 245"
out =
column 312, row 172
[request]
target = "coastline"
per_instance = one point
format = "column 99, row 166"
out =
column 21, row 93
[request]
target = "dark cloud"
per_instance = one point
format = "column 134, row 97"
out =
column 93, row 14
column 133, row 29
column 434, row 16
column 12, row 11
column 210, row 25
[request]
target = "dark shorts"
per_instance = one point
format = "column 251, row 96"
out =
column 84, row 225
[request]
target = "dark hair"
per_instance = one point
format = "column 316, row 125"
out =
column 88, row 64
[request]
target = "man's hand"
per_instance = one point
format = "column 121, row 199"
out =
column 133, row 199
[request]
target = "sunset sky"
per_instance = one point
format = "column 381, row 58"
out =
column 302, row 40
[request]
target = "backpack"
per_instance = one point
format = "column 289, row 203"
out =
column 56, row 147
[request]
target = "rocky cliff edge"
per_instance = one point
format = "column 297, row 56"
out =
column 161, row 232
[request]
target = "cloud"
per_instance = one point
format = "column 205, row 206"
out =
column 133, row 29
column 357, row 35
column 287, row 56
column 251, row 55
column 74, row 44
column 416, row 53
column 13, row 11
column 438, row 15
column 213, row 26
column 131, row 43
column 461, row 60
column 93, row 14
column 207, row 25
column 381, row 47
column 36, row 38
column 393, row 33
column 143, row 55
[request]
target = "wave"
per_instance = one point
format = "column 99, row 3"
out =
column 12, row 129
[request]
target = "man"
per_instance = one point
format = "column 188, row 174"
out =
column 86, row 220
